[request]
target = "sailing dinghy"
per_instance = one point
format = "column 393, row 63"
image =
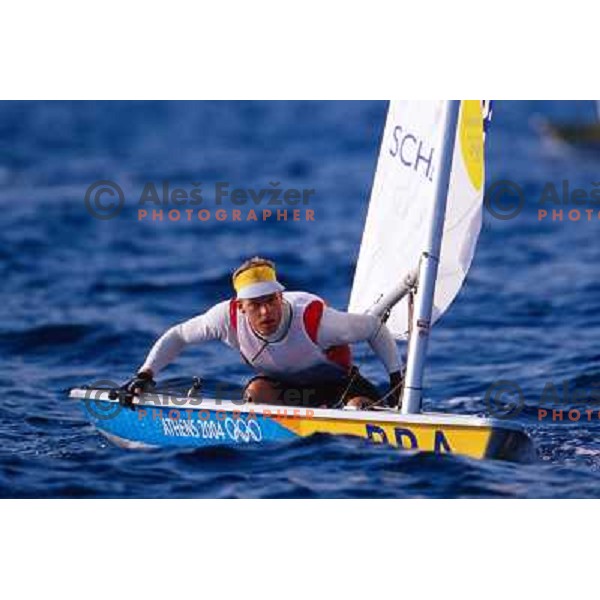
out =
column 578, row 135
column 422, row 226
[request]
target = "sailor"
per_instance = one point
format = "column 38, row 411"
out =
column 297, row 345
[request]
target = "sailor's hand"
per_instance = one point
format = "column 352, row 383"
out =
column 141, row 383
column 396, row 384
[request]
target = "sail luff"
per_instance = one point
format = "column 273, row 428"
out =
column 417, row 349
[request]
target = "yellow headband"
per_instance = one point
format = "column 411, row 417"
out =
column 253, row 275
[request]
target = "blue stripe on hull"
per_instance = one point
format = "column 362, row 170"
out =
column 184, row 428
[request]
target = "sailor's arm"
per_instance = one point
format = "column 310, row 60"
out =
column 346, row 328
column 211, row 325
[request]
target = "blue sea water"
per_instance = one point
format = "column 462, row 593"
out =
column 83, row 299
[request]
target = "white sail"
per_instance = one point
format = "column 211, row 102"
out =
column 401, row 202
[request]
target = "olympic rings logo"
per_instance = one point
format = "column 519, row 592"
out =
column 244, row 431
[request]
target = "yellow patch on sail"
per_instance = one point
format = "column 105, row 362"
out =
column 471, row 140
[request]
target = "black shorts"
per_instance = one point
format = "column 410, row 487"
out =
column 329, row 394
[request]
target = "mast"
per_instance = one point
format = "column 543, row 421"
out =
column 417, row 347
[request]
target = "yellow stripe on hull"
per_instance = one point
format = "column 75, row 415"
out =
column 475, row 441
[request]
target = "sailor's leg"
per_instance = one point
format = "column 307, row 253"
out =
column 358, row 402
column 262, row 390
column 359, row 392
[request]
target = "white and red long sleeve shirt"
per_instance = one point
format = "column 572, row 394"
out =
column 309, row 346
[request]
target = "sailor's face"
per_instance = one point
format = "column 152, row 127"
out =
column 264, row 313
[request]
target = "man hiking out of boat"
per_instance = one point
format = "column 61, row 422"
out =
column 298, row 346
